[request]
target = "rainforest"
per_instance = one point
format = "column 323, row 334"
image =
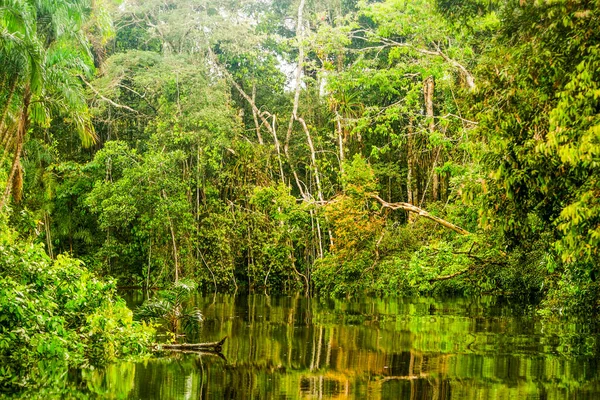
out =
column 373, row 160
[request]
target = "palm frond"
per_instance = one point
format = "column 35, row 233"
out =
column 17, row 16
column 155, row 308
column 185, row 287
column 168, row 307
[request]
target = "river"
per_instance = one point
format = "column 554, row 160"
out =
column 293, row 347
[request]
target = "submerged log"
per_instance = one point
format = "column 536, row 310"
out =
column 208, row 347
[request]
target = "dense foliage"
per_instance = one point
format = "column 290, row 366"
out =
column 56, row 314
column 333, row 147
column 540, row 110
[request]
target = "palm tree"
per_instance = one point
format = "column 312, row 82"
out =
column 169, row 308
column 43, row 56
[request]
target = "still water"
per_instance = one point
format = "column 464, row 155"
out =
column 298, row 348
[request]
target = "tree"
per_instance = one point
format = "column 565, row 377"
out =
column 540, row 118
column 44, row 64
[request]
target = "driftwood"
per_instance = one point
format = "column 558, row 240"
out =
column 215, row 347
column 419, row 211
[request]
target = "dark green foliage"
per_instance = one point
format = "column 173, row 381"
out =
column 540, row 120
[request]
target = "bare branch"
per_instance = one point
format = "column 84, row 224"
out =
column 407, row 207
column 257, row 113
column 419, row 211
column 439, row 53
column 458, row 117
column 109, row 101
column 297, row 77
column 143, row 97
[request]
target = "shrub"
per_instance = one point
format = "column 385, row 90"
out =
column 57, row 312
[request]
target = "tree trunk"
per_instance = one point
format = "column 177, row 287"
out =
column 428, row 92
column 48, row 234
column 148, row 271
column 16, row 164
column 340, row 135
column 294, row 117
column 277, row 147
column 172, row 229
column 298, row 75
column 174, row 250
column 411, row 193
column 255, row 116
column 313, row 158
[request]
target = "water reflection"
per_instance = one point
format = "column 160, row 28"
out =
column 295, row 347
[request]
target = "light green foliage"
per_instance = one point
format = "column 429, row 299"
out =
column 210, row 166
column 44, row 53
column 395, row 46
column 355, row 230
column 139, row 205
column 56, row 311
column 149, row 200
column 284, row 225
column 574, row 139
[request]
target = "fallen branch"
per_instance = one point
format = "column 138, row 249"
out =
column 211, row 346
column 419, row 211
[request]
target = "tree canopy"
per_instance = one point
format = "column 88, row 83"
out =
column 335, row 147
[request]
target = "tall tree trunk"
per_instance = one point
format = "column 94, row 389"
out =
column 294, row 116
column 340, row 135
column 48, row 234
column 297, row 76
column 174, row 250
column 428, row 92
column 174, row 241
column 148, row 271
column 313, row 158
column 277, row 147
column 197, row 216
column 412, row 191
column 15, row 171
column 411, row 194
column 255, row 116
